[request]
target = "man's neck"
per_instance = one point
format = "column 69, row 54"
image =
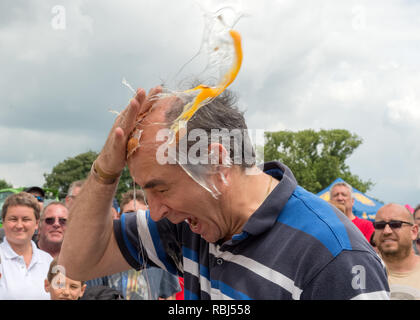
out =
column 350, row 215
column 406, row 264
column 52, row 248
column 246, row 195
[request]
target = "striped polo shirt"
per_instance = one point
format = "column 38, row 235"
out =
column 294, row 246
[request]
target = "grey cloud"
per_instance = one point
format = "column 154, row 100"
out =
column 317, row 65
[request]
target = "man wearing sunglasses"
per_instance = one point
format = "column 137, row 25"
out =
column 38, row 193
column 52, row 227
column 395, row 231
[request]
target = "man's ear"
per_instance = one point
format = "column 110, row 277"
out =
column 218, row 155
column 414, row 232
column 47, row 285
column 221, row 163
column 82, row 291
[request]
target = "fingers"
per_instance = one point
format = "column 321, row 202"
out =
column 113, row 155
column 150, row 99
column 127, row 119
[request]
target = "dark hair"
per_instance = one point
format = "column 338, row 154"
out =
column 129, row 195
column 21, row 199
column 371, row 240
column 52, row 271
column 219, row 114
column 415, row 210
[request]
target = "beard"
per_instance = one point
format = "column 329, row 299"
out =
column 402, row 251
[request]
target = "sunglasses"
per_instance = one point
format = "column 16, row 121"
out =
column 51, row 221
column 393, row 224
column 40, row 199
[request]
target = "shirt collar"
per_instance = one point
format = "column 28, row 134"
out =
column 266, row 215
column 9, row 253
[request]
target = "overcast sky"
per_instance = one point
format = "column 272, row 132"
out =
column 321, row 64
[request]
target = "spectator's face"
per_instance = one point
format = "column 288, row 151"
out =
column 70, row 198
column 131, row 206
column 63, row 288
column 19, row 224
column 115, row 214
column 40, row 199
column 342, row 195
column 53, row 224
column 395, row 242
column 417, row 217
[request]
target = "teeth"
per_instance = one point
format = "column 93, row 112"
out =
column 191, row 223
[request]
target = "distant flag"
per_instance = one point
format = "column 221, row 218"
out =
column 409, row 208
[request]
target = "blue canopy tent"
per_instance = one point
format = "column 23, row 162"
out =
column 364, row 206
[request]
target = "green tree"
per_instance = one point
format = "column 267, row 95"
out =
column 4, row 184
column 315, row 158
column 78, row 168
column 69, row 170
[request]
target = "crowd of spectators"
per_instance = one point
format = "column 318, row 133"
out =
column 33, row 232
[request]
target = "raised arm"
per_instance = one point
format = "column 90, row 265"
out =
column 89, row 248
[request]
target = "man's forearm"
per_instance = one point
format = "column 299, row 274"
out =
column 89, row 248
column 89, row 230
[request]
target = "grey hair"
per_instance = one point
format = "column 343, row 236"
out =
column 344, row 184
column 75, row 184
column 222, row 116
column 59, row 203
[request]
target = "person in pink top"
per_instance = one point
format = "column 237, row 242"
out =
column 342, row 193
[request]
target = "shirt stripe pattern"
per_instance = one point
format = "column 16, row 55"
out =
column 295, row 246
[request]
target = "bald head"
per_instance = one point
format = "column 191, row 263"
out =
column 393, row 211
column 395, row 243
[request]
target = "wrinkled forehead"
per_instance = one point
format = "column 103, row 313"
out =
column 340, row 189
column 56, row 210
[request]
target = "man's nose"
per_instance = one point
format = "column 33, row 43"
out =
column 387, row 229
column 158, row 210
column 66, row 291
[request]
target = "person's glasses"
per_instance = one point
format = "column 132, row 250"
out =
column 39, row 198
column 394, row 224
column 51, row 221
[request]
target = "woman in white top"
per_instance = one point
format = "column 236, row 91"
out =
column 23, row 267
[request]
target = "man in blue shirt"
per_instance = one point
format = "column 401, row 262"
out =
column 233, row 230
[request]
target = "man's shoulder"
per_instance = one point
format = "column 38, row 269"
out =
column 309, row 214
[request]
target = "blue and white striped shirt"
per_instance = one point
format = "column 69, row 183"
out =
column 294, row 246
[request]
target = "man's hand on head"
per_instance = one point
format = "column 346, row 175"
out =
column 112, row 158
